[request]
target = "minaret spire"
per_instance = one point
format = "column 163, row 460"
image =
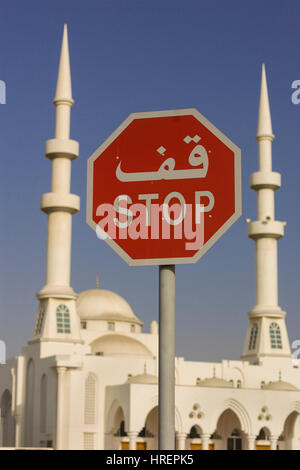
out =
column 57, row 298
column 267, row 334
column 64, row 86
column 264, row 127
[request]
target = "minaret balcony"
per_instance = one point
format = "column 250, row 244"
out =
column 266, row 229
column 66, row 148
column 264, row 179
column 51, row 202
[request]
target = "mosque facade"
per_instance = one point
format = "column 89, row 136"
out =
column 88, row 377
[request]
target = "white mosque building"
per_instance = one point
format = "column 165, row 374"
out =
column 88, row 377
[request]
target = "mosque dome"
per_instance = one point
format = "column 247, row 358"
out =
column 215, row 382
column 101, row 304
column 143, row 379
column 279, row 385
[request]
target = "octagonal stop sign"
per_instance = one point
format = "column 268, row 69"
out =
column 164, row 187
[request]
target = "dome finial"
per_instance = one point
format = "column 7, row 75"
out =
column 97, row 280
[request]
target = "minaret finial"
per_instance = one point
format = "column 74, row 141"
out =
column 264, row 127
column 97, row 280
column 63, row 86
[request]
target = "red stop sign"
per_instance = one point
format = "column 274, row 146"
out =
column 164, row 187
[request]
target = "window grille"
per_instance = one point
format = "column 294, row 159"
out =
column 275, row 336
column 63, row 319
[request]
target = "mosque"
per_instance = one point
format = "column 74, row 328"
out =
column 88, row 377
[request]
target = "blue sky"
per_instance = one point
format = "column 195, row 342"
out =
column 137, row 55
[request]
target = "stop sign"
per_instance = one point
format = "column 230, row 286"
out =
column 164, row 187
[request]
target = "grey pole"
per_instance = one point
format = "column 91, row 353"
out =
column 166, row 432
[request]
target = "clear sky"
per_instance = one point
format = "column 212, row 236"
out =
column 143, row 55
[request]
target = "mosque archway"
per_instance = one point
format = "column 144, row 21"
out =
column 291, row 431
column 119, row 422
column 119, row 430
column 148, row 436
column 116, row 435
column 229, row 432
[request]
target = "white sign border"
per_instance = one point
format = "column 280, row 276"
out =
column 237, row 183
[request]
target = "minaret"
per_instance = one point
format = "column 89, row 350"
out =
column 57, row 318
column 267, row 334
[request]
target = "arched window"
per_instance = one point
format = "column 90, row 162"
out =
column 198, row 380
column 275, row 336
column 63, row 319
column 90, row 400
column 253, row 337
column 43, row 404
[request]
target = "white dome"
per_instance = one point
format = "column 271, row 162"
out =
column 279, row 385
column 143, row 379
column 215, row 382
column 101, row 304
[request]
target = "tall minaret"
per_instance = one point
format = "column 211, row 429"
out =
column 56, row 318
column 267, row 334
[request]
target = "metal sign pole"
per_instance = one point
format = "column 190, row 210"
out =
column 166, row 357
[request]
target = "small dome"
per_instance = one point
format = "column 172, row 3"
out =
column 215, row 382
column 279, row 385
column 101, row 304
column 143, row 379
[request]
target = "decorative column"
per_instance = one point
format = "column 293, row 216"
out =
column 132, row 439
column 18, row 420
column 251, row 442
column 265, row 231
column 60, row 408
column 181, row 437
column 273, row 442
column 205, row 438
